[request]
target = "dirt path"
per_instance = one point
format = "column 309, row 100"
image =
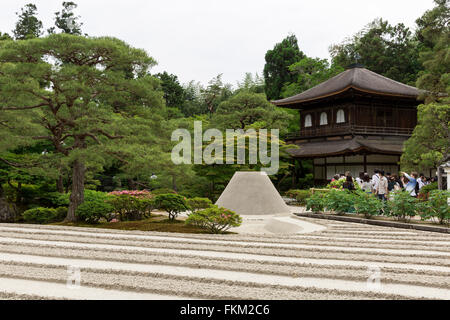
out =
column 332, row 261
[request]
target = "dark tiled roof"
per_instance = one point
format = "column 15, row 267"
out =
column 330, row 148
column 357, row 78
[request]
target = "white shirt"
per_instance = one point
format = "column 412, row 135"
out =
column 375, row 180
column 421, row 183
column 382, row 187
column 359, row 180
column 367, row 186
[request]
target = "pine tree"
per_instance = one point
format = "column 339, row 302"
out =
column 28, row 26
column 81, row 99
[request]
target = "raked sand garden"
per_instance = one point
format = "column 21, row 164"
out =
column 270, row 257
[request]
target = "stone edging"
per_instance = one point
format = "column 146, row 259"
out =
column 393, row 224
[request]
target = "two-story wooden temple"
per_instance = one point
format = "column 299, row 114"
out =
column 356, row 121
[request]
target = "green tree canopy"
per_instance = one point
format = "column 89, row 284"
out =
column 389, row 50
column 434, row 33
column 430, row 141
column 4, row 36
column 276, row 69
column 433, row 23
column 246, row 108
column 251, row 83
column 77, row 94
column 28, row 25
column 215, row 93
column 309, row 72
column 173, row 91
column 66, row 20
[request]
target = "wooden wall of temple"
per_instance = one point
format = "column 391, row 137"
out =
column 363, row 112
column 326, row 168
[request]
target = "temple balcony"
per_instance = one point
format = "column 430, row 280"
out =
column 353, row 130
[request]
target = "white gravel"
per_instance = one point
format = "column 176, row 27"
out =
column 319, row 260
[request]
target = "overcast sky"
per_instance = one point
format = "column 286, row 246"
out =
column 198, row 39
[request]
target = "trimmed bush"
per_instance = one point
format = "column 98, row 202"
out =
column 436, row 207
column 159, row 191
column 215, row 219
column 299, row 195
column 173, row 204
column 133, row 193
column 429, row 187
column 401, row 206
column 316, row 202
column 35, row 196
column 130, row 208
column 198, row 203
column 61, row 213
column 340, row 201
column 95, row 207
column 339, row 184
column 40, row 215
column 367, row 204
column 425, row 191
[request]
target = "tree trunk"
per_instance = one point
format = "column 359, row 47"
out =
column 8, row 211
column 131, row 184
column 19, row 193
column 60, row 184
column 77, row 195
column 174, row 184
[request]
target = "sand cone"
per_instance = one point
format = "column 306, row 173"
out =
column 252, row 193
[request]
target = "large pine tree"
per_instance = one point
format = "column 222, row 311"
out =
column 91, row 98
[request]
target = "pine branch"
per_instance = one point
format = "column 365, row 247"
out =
column 26, row 107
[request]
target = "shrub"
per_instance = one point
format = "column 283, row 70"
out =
column 425, row 191
column 94, row 207
column 338, row 184
column 215, row 219
column 61, row 213
column 198, row 203
column 40, row 215
column 436, row 207
column 299, row 195
column 163, row 191
column 401, row 206
column 316, row 202
column 367, row 204
column 172, row 203
column 130, row 207
column 340, row 201
column 55, row 199
column 133, row 193
column 306, row 182
column 34, row 195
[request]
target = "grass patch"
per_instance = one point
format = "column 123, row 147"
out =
column 155, row 223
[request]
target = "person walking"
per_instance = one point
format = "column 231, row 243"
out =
column 375, row 179
column 382, row 186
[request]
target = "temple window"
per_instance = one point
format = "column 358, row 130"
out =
column 340, row 116
column 308, row 121
column 323, row 119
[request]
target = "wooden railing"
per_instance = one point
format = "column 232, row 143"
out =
column 357, row 130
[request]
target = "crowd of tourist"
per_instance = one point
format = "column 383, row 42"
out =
column 381, row 183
